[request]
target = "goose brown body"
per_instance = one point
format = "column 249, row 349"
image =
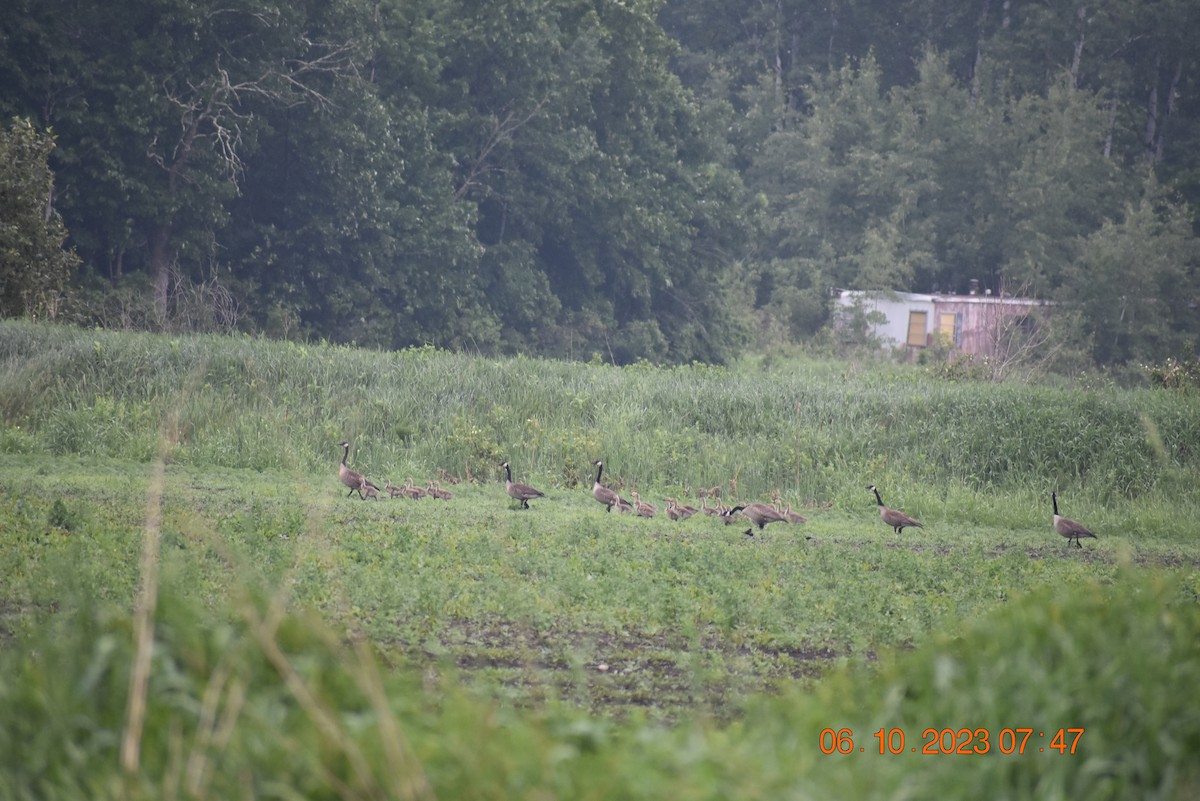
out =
column 602, row 493
column 411, row 490
column 677, row 512
column 353, row 479
column 894, row 517
column 758, row 513
column 788, row 514
column 1067, row 527
column 761, row 514
column 643, row 508
column 519, row 492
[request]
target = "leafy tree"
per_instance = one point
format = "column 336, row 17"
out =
column 1137, row 281
column 34, row 266
column 601, row 199
column 157, row 109
column 1061, row 189
column 851, row 183
column 349, row 229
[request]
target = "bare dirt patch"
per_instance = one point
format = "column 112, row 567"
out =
column 611, row 672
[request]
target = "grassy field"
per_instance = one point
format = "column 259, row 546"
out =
column 313, row 645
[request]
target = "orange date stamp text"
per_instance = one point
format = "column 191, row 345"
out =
column 949, row 740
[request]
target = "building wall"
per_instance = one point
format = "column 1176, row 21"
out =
column 981, row 319
column 896, row 308
column 969, row 323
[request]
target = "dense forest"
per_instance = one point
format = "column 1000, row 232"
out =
column 658, row 179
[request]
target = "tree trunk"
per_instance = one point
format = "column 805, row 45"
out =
column 1150, row 135
column 777, row 68
column 979, row 33
column 160, row 268
column 1172, row 93
column 833, row 26
column 1081, row 17
column 1112, row 125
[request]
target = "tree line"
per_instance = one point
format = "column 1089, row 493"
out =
column 570, row 177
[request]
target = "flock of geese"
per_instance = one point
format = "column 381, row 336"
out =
column 759, row 514
column 366, row 488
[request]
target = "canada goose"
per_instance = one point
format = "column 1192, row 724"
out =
column 727, row 514
column 1068, row 527
column 684, row 511
column 411, row 490
column 788, row 514
column 673, row 510
column 896, row 519
column 602, row 493
column 370, row 490
column 352, row 478
column 624, row 506
column 759, row 513
column 392, row 490
column 644, row 508
column 435, row 489
column 447, row 476
column 706, row 509
column 520, row 492
column 677, row 512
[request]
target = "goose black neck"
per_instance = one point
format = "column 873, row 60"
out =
column 878, row 500
column 1054, row 500
column 599, row 470
column 507, row 472
column 345, row 452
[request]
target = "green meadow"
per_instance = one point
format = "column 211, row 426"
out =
column 192, row 607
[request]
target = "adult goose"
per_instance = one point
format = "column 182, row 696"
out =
column 761, row 514
column 353, row 479
column 893, row 517
column 602, row 493
column 1067, row 527
column 519, row 492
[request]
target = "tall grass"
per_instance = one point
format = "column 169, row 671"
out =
column 246, row 402
column 306, row 645
column 264, row 704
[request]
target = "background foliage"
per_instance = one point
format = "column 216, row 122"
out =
column 646, row 179
column 34, row 267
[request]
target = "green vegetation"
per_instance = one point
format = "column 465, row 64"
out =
column 34, row 267
column 813, row 432
column 645, row 179
column 312, row 645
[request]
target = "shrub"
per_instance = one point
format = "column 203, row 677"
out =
column 1183, row 373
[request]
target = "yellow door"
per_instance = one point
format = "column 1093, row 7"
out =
column 946, row 321
column 916, row 328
